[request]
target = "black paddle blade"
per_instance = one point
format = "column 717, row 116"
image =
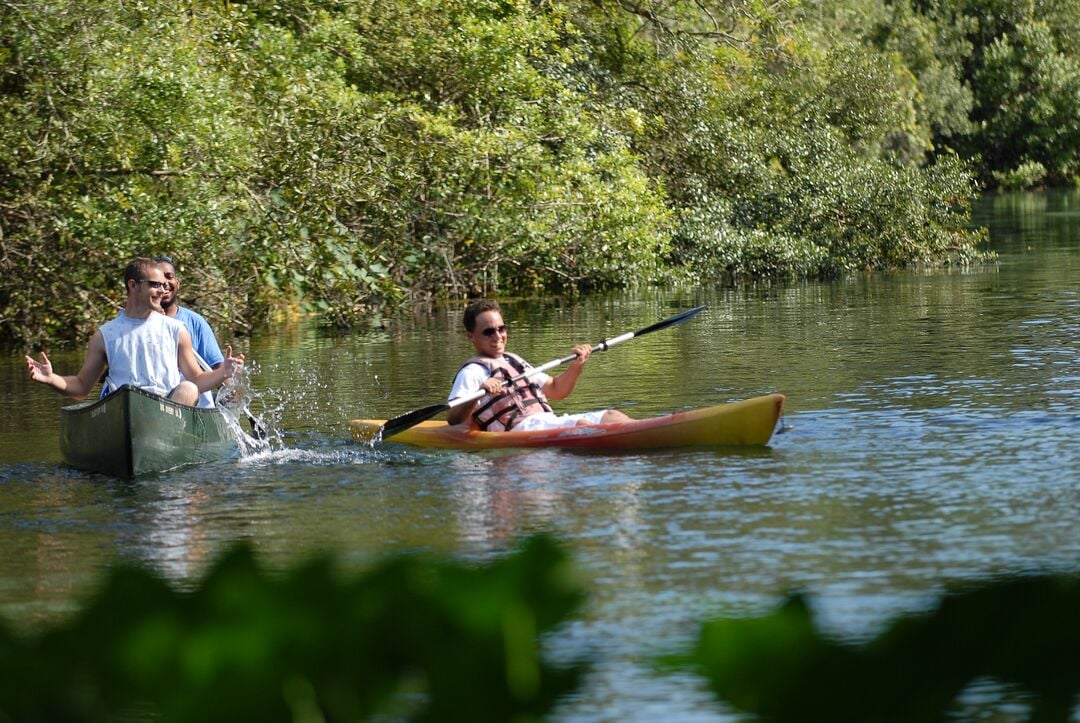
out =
column 410, row 419
column 677, row 319
column 258, row 429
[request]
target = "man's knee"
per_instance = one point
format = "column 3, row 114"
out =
column 185, row 393
column 614, row 416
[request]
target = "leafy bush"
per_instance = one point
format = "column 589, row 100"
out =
column 1020, row 630
column 799, row 174
column 300, row 157
column 1030, row 174
column 423, row 638
column 417, row 636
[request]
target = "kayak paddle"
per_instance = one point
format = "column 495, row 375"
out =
column 411, row 419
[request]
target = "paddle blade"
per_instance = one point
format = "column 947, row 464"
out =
column 258, row 429
column 402, row 422
column 677, row 319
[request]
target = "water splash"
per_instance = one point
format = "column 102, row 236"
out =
column 249, row 444
column 236, row 400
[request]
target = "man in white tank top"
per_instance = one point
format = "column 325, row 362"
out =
column 142, row 347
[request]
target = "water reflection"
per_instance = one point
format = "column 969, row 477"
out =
column 501, row 496
column 169, row 531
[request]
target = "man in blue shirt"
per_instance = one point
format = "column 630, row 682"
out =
column 202, row 336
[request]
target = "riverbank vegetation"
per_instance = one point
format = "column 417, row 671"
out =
column 303, row 157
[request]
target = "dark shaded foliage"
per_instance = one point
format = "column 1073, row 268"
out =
column 1022, row 630
column 422, row 637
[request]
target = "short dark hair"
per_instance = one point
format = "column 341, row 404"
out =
column 477, row 308
column 137, row 267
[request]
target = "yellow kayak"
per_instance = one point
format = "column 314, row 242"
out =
column 749, row 422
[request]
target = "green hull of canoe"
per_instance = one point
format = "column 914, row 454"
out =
column 132, row 432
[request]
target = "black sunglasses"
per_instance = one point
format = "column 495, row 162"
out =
column 492, row 330
column 156, row 284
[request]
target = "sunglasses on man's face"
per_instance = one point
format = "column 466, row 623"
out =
column 493, row 330
column 156, row 284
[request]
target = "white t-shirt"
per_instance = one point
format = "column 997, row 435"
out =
column 142, row 352
column 204, row 343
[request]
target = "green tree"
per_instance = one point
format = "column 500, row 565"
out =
column 999, row 82
column 115, row 141
column 781, row 157
column 305, row 157
column 1034, row 91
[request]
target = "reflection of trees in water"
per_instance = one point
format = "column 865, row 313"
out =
column 505, row 495
column 175, row 538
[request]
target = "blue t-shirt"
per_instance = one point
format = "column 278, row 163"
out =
column 204, row 343
column 202, row 336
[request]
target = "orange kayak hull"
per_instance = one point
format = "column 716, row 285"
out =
column 749, row 422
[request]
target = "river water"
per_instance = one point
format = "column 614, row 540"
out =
column 932, row 437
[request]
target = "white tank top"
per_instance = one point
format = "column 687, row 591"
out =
column 143, row 352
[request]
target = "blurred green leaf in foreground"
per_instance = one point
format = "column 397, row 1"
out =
column 1023, row 631
column 416, row 638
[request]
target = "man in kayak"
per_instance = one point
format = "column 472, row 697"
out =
column 142, row 347
column 523, row 406
column 207, row 351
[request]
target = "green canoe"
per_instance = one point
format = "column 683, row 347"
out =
column 133, row 432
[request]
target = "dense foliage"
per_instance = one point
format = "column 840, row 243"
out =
column 997, row 80
column 301, row 156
